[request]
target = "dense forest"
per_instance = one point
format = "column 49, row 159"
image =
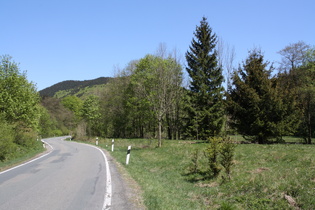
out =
column 148, row 98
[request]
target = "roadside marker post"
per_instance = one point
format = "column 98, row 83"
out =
column 96, row 141
column 113, row 145
column 128, row 155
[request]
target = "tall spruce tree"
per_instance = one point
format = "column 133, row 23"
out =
column 205, row 107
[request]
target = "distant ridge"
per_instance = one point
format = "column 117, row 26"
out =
column 72, row 85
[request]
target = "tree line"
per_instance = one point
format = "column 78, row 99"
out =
column 149, row 99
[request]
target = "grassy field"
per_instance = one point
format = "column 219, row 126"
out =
column 279, row 176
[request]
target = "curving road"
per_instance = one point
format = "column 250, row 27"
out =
column 71, row 176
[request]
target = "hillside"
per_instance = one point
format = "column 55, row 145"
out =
column 74, row 87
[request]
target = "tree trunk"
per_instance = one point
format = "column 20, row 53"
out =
column 309, row 124
column 169, row 127
column 309, row 128
column 160, row 133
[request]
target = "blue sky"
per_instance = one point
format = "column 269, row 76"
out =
column 61, row 40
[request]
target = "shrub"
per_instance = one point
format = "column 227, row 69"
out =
column 193, row 167
column 24, row 136
column 227, row 151
column 212, row 154
column 6, row 140
column 220, row 154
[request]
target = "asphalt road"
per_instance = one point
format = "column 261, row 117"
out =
column 72, row 176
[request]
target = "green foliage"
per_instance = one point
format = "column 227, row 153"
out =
column 205, row 104
column 227, row 152
column 18, row 97
column 257, row 107
column 212, row 153
column 57, row 119
column 147, row 99
column 91, row 114
column 298, row 81
column 305, row 90
column 19, row 154
column 19, row 110
column 74, row 104
column 47, row 124
column 24, row 136
column 7, row 146
column 220, row 155
column 119, row 115
column 156, row 83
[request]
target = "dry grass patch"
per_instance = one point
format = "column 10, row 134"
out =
column 212, row 184
column 259, row 170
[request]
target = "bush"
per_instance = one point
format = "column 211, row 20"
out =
column 24, row 136
column 6, row 140
column 212, row 154
column 227, row 154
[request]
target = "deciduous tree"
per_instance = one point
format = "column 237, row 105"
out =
column 298, row 82
column 156, row 83
column 91, row 114
column 18, row 98
column 293, row 56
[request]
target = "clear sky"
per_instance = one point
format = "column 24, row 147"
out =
column 57, row 40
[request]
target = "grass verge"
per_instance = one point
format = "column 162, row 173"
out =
column 279, row 176
column 22, row 155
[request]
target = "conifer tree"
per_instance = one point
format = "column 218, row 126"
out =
column 205, row 98
column 258, row 108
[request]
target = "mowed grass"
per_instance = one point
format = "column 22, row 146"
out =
column 278, row 176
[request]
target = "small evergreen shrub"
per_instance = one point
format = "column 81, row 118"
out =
column 227, row 151
column 194, row 165
column 220, row 154
column 212, row 153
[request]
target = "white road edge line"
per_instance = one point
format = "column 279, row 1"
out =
column 108, row 193
column 23, row 164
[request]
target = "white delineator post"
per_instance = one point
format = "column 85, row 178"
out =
column 96, row 142
column 128, row 155
column 113, row 145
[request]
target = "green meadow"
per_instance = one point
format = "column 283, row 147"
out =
column 275, row 176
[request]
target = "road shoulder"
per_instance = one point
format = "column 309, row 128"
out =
column 123, row 182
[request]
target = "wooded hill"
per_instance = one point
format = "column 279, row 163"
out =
column 74, row 87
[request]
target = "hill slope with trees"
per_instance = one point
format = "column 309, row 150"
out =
column 72, row 87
